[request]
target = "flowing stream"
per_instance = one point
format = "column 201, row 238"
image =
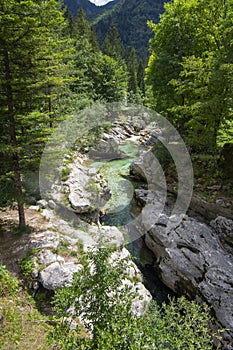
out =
column 121, row 210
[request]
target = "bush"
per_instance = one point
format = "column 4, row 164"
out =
column 8, row 284
column 27, row 266
column 98, row 296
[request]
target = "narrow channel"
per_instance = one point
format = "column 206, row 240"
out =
column 121, row 211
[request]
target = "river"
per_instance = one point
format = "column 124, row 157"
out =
column 121, row 211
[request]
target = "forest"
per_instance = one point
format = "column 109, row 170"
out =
column 52, row 66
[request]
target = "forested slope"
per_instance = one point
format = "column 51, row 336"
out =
column 130, row 18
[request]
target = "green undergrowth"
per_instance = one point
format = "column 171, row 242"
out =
column 22, row 326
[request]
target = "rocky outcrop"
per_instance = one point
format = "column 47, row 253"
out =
column 192, row 260
column 55, row 255
column 86, row 190
column 210, row 210
column 57, row 274
column 145, row 167
column 106, row 148
column 224, row 229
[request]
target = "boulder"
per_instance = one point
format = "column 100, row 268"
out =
column 192, row 260
column 46, row 257
column 105, row 149
column 143, row 168
column 58, row 274
column 42, row 203
column 51, row 204
column 224, row 229
column 46, row 239
column 143, row 296
column 139, row 124
column 86, row 192
column 223, row 226
column 107, row 235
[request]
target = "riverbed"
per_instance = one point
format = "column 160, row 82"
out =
column 121, row 211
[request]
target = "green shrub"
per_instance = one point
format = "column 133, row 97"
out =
column 27, row 266
column 8, row 284
column 105, row 305
column 65, row 172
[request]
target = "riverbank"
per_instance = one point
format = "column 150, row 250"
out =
column 77, row 205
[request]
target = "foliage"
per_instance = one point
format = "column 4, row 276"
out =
column 22, row 325
column 130, row 18
column 97, row 76
column 33, row 74
column 190, row 68
column 141, row 77
column 132, row 83
column 65, row 172
column 99, row 297
column 27, row 266
column 112, row 45
column 184, row 324
column 8, row 284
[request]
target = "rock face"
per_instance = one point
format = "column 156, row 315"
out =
column 87, row 190
column 144, row 168
column 55, row 262
column 192, row 259
column 105, row 149
column 224, row 228
column 58, row 274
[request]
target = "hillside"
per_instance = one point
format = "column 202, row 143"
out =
column 91, row 10
column 130, row 18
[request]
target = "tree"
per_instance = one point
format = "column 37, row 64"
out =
column 132, row 80
column 112, row 45
column 100, row 296
column 184, row 68
column 98, row 76
column 110, row 82
column 141, row 77
column 28, row 74
column 83, row 30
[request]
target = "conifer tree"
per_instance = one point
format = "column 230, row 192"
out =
column 112, row 45
column 132, row 82
column 30, row 72
column 141, row 77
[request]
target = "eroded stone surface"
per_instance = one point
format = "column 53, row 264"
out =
column 46, row 239
column 192, row 259
column 58, row 274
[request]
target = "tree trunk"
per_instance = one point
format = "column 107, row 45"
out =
column 13, row 140
column 50, row 111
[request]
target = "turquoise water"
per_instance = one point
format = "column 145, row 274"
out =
column 118, row 212
column 115, row 172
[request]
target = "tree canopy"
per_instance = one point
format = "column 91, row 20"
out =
column 190, row 68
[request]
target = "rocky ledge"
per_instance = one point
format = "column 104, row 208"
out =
column 55, row 254
column 192, row 259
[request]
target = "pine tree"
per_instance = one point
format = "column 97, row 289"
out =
column 30, row 64
column 132, row 82
column 141, row 77
column 112, row 45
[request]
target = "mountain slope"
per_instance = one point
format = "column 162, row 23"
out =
column 130, row 17
column 91, row 10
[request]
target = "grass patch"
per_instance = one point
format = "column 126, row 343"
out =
column 23, row 326
column 65, row 172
